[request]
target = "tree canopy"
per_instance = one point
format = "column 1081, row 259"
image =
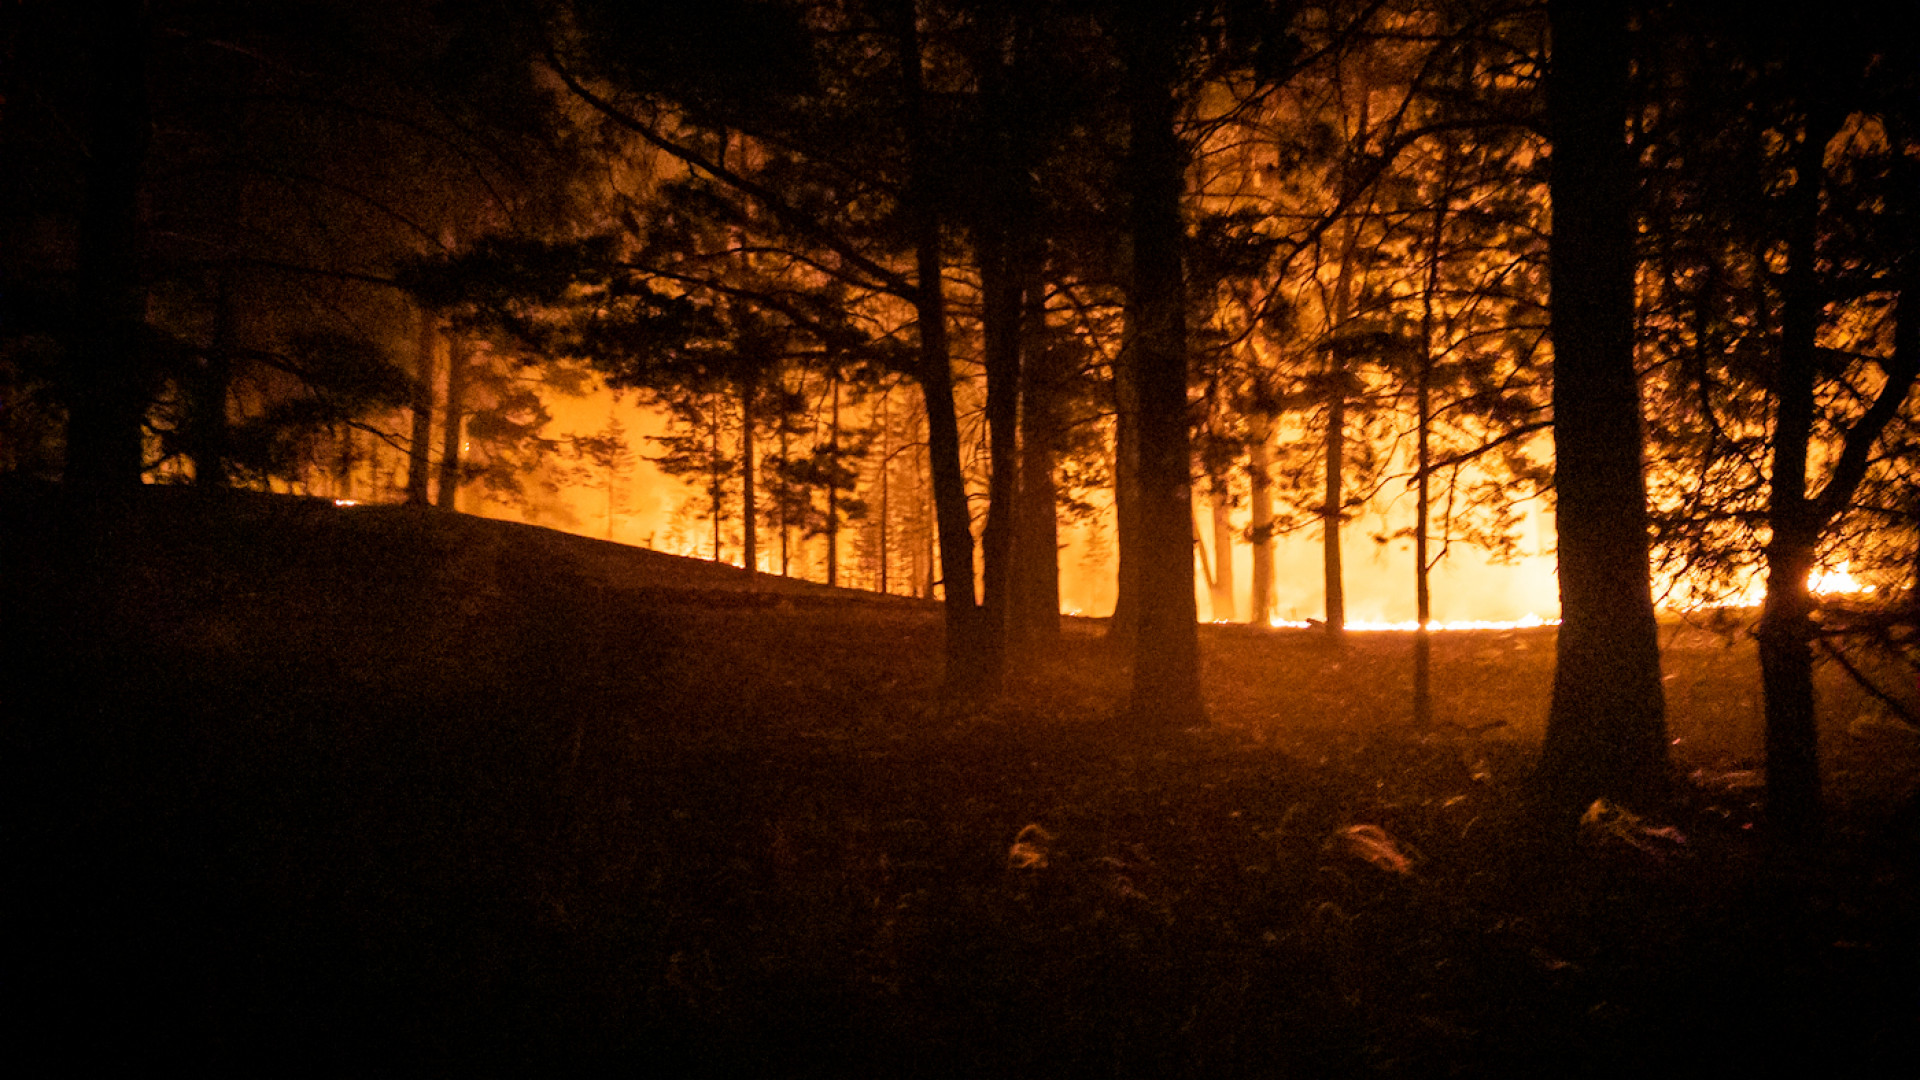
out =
column 918, row 281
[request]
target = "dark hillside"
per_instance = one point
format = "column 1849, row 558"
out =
column 297, row 788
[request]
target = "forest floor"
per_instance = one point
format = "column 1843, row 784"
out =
column 372, row 790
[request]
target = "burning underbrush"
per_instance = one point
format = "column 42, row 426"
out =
column 407, row 792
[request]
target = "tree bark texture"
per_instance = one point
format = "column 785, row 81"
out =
column 1220, row 590
column 1785, row 633
column 1606, row 730
column 1260, row 531
column 1332, row 510
column 965, row 652
column 1166, row 658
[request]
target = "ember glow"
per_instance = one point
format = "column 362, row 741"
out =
column 1838, row 582
column 1529, row 621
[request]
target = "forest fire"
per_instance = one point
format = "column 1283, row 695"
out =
column 1237, row 326
column 1838, row 582
column 1529, row 621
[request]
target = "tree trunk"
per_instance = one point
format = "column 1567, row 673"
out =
column 1260, row 533
column 1785, row 637
column 749, row 508
column 1606, row 731
column 1422, row 593
column 953, row 518
column 786, row 500
column 886, row 508
column 211, row 444
column 1423, row 461
column 1220, row 502
column 967, row 672
column 418, row 464
column 716, row 472
column 1035, row 587
column 1166, row 656
column 1002, row 248
column 1334, row 507
column 1785, row 633
column 1000, row 319
column 1037, row 613
column 833, row 489
column 1913, row 581
column 107, row 395
column 1333, row 577
column 1126, row 494
column 449, row 491
column 928, row 556
column 1787, row 629
column 343, row 464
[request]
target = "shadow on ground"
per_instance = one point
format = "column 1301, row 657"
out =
column 325, row 791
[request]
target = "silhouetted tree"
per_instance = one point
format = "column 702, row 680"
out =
column 1780, row 317
column 1166, row 660
column 1606, row 732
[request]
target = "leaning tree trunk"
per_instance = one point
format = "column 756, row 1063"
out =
column 1606, row 729
column 967, row 668
column 1166, row 655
